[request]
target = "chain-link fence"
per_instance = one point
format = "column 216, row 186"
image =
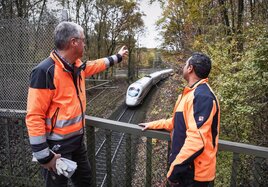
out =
column 22, row 46
column 16, row 167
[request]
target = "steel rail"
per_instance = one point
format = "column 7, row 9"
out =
column 119, row 143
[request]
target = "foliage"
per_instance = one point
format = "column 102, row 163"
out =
column 238, row 48
column 235, row 35
column 224, row 169
column 242, row 88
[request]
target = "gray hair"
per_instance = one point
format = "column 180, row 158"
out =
column 64, row 32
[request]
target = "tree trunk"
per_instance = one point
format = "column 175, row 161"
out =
column 232, row 16
column 19, row 8
column 38, row 27
column 131, row 65
column 3, row 3
column 240, row 13
column 11, row 9
column 78, row 5
column 225, row 18
column 252, row 9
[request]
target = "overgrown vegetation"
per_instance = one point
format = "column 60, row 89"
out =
column 235, row 35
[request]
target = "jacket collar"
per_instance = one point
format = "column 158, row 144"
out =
column 188, row 89
column 59, row 61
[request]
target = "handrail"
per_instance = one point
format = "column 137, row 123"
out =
column 243, row 148
column 134, row 129
column 125, row 127
column 260, row 153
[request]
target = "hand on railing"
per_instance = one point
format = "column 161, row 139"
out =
column 144, row 125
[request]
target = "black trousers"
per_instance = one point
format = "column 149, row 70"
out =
column 82, row 177
column 200, row 184
column 193, row 184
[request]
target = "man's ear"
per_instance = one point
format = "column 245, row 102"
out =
column 190, row 68
column 73, row 42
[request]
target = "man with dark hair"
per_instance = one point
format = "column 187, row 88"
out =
column 194, row 128
column 57, row 104
column 201, row 64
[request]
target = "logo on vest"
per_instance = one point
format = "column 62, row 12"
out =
column 201, row 118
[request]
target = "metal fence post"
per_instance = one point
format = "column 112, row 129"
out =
column 108, row 157
column 8, row 150
column 21, row 123
column 90, row 131
column 256, row 171
column 128, row 160
column 235, row 165
column 148, row 162
column 168, row 153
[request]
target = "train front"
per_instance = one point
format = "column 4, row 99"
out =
column 133, row 92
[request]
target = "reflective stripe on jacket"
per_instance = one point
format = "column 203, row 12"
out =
column 194, row 131
column 57, row 101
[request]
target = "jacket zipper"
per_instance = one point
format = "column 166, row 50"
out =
column 78, row 96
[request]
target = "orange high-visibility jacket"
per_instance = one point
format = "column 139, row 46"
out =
column 57, row 103
column 194, row 131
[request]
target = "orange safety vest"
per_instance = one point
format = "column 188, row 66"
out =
column 194, row 131
column 57, row 101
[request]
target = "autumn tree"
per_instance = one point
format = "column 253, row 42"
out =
column 234, row 35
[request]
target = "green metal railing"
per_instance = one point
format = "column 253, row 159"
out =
column 130, row 130
column 260, row 153
column 16, row 168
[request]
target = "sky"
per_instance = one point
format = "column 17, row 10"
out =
column 153, row 13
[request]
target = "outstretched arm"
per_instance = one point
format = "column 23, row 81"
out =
column 97, row 66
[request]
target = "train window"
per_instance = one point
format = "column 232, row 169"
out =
column 133, row 92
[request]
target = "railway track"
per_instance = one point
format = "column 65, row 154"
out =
column 122, row 149
column 118, row 144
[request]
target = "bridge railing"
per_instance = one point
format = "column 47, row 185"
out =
column 140, row 160
column 259, row 154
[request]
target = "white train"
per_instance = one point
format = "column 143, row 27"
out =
column 139, row 89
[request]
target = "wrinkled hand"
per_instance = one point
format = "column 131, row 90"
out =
column 144, row 125
column 51, row 165
column 123, row 52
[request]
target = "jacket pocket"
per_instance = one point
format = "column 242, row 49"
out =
column 54, row 119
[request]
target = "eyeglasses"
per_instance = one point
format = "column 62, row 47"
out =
column 83, row 39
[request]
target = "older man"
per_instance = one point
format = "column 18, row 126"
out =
column 57, row 104
column 194, row 128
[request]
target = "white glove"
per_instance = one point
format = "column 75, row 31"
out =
column 65, row 167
